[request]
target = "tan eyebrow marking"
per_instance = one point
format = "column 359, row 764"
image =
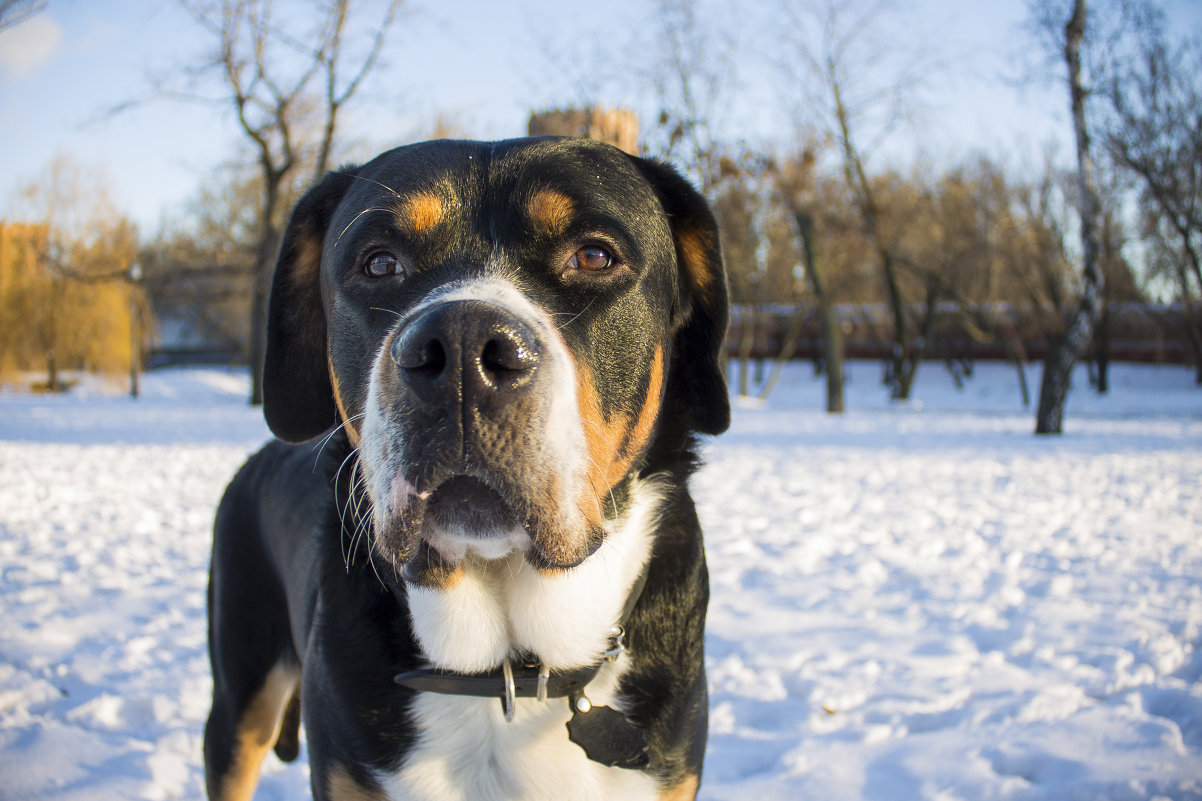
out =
column 420, row 213
column 551, row 211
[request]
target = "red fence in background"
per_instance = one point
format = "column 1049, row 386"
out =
column 1133, row 332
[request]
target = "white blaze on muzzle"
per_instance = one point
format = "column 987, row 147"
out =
column 544, row 498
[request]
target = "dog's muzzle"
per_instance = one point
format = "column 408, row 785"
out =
column 472, row 440
column 469, row 372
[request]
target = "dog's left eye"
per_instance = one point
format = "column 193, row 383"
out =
column 383, row 265
column 591, row 259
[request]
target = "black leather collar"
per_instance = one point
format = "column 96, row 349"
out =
column 605, row 734
column 527, row 680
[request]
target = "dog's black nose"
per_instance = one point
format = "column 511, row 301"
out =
column 466, row 351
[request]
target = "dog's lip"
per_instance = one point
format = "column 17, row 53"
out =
column 402, row 492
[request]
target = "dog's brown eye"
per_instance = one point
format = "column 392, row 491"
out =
column 591, row 259
column 383, row 265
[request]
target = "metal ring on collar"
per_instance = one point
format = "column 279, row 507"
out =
column 508, row 703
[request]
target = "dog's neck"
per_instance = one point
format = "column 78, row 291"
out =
column 506, row 608
column 567, row 627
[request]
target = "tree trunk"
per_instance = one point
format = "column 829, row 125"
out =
column 52, row 385
column 788, row 347
column 1018, row 357
column 1065, row 353
column 857, row 180
column 1022, row 383
column 258, row 333
column 265, row 255
column 832, row 334
column 904, row 383
column 1101, row 344
column 746, row 342
column 135, row 342
column 832, row 347
column 1190, row 322
column 899, row 372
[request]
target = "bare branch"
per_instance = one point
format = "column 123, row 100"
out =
column 373, row 54
column 14, row 12
column 271, row 73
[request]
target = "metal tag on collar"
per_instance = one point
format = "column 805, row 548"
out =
column 606, row 736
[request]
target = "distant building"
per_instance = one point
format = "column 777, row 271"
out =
column 618, row 127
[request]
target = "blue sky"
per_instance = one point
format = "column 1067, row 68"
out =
column 481, row 63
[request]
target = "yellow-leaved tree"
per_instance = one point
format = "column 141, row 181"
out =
column 68, row 298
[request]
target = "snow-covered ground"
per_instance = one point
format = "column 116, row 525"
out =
column 909, row 602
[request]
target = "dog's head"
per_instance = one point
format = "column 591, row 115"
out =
column 505, row 330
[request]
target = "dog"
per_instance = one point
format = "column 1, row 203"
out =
column 469, row 560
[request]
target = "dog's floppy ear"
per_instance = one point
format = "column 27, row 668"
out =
column 702, row 317
column 298, row 399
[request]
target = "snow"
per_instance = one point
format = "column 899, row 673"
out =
column 918, row 601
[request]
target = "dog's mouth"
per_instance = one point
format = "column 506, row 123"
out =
column 466, row 508
column 430, row 533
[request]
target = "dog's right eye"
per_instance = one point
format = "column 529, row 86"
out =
column 383, row 265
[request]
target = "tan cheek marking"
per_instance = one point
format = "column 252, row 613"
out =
column 643, row 427
column 341, row 787
column 551, row 211
column 352, row 430
column 614, row 444
column 685, row 791
column 420, row 213
column 693, row 248
column 599, row 441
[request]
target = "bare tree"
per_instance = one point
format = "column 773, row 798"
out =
column 199, row 269
column 1065, row 353
column 1155, row 134
column 798, row 187
column 835, row 63
column 693, row 81
column 288, row 87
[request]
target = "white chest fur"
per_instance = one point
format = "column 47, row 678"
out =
column 465, row 750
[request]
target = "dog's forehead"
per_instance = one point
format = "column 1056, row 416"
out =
column 548, row 181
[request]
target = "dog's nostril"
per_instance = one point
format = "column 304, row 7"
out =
column 426, row 355
column 508, row 354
